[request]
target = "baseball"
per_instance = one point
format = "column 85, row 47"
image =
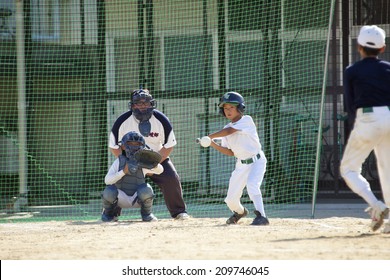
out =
column 205, row 141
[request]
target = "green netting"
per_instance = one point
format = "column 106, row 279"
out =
column 67, row 69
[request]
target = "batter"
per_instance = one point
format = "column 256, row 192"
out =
column 240, row 139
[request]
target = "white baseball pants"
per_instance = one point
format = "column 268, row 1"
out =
column 371, row 132
column 251, row 176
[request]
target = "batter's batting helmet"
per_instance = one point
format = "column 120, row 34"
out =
column 132, row 142
column 233, row 98
column 136, row 97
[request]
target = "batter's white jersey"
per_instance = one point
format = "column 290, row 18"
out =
column 244, row 143
column 161, row 133
column 250, row 166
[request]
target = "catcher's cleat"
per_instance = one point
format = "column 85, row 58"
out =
column 377, row 213
column 111, row 216
column 108, row 218
column 259, row 220
column 149, row 218
column 236, row 217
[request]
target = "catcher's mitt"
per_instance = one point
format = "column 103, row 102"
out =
column 148, row 159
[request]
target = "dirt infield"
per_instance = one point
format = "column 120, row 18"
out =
column 334, row 238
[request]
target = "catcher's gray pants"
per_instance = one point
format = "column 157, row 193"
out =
column 169, row 183
column 143, row 197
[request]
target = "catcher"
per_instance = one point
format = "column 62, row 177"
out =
column 125, row 180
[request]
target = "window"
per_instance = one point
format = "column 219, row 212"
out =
column 246, row 64
column 7, row 20
column 188, row 62
column 245, row 15
column 45, row 19
column 368, row 12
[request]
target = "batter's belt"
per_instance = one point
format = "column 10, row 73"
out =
column 250, row 160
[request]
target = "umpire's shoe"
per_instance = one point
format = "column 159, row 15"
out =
column 236, row 217
column 259, row 220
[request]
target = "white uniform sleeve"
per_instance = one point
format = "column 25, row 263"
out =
column 244, row 124
column 111, row 142
column 113, row 174
column 171, row 140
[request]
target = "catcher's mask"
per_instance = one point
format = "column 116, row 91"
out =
column 233, row 98
column 142, row 96
column 132, row 143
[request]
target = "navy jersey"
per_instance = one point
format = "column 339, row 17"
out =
column 161, row 134
column 366, row 84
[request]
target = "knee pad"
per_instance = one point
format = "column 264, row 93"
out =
column 145, row 192
column 110, row 194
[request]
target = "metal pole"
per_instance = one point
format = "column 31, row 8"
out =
column 319, row 136
column 22, row 128
column 141, row 46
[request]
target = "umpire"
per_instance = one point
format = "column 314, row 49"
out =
column 367, row 101
column 159, row 136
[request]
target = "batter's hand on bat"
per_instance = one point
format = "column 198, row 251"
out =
column 205, row 141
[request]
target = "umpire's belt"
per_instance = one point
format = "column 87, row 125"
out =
column 250, row 160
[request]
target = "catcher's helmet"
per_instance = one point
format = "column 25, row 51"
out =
column 137, row 96
column 233, row 98
column 132, row 142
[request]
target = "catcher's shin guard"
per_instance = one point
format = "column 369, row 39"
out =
column 145, row 196
column 111, row 210
column 146, row 210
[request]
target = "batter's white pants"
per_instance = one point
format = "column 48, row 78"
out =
column 251, row 176
column 371, row 132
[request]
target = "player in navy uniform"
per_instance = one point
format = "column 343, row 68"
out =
column 367, row 101
column 143, row 117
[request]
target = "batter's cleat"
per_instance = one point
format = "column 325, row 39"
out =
column 386, row 229
column 236, row 217
column 149, row 218
column 182, row 216
column 377, row 213
column 259, row 220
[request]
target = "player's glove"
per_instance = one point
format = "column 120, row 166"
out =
column 148, row 158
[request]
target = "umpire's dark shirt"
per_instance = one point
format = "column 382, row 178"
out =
column 366, row 84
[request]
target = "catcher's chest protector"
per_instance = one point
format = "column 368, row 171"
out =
column 129, row 183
